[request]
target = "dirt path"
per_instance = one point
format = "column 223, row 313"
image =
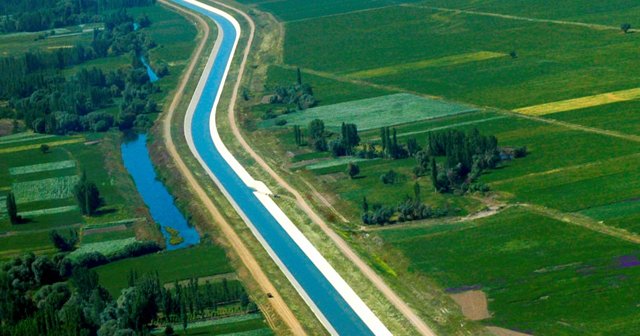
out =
column 594, row 26
column 402, row 306
column 231, row 236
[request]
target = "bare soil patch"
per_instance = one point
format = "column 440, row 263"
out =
column 473, row 304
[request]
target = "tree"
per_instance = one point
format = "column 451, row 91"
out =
column 299, row 76
column 168, row 330
column 12, row 209
column 625, row 27
column 317, row 136
column 365, row 205
column 44, row 148
column 416, row 191
column 434, row 174
column 62, row 243
column 513, row 54
column 352, row 170
column 87, row 195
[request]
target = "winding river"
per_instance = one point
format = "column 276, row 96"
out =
column 333, row 301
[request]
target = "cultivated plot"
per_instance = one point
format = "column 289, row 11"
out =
column 541, row 276
column 376, row 112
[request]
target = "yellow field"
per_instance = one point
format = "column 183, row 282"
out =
column 34, row 146
column 444, row 61
column 579, row 103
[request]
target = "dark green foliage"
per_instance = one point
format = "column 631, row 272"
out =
column 87, row 195
column 349, row 137
column 301, row 95
column 298, row 135
column 625, row 27
column 12, row 209
column 467, row 156
column 44, row 148
column 389, row 177
column 298, row 76
column 390, row 146
column 64, row 243
column 50, row 103
column 352, row 170
column 317, row 135
column 39, row 15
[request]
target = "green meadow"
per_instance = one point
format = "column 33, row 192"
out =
column 554, row 62
column 184, row 264
column 541, row 276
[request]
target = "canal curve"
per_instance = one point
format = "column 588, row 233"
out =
column 334, row 302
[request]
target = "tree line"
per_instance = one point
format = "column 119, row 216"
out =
column 37, row 15
column 38, row 298
column 49, row 102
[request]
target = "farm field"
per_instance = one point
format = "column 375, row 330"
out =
column 43, row 186
column 373, row 113
column 290, row 10
column 622, row 117
column 575, row 83
column 541, row 276
column 253, row 325
column 546, row 69
column 606, row 13
column 200, row 261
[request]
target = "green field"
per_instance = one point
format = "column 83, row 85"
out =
column 199, row 261
column 605, row 12
column 541, row 276
column 289, row 10
column 376, row 112
column 622, row 117
column 555, row 62
column 249, row 325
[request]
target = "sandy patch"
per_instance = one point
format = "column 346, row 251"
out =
column 473, row 304
column 505, row 332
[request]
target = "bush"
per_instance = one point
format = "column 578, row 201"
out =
column 281, row 122
column 389, row 177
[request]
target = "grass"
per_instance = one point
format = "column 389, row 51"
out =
column 106, row 236
column 554, row 63
column 327, row 91
column 374, row 113
column 194, row 262
column 625, row 214
column 46, row 189
column 541, row 276
column 289, row 10
column 16, row 44
column 106, row 248
column 622, row 117
column 42, row 167
column 249, row 325
column 610, row 12
column 444, row 61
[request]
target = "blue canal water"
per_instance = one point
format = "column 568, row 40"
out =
column 325, row 297
column 155, row 195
